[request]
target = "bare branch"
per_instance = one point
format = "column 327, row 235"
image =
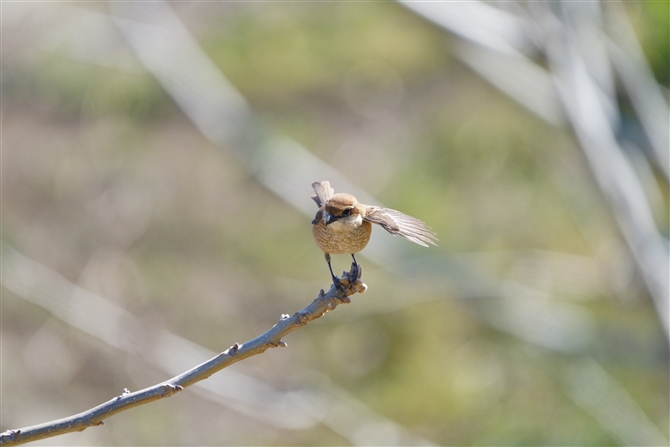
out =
column 324, row 302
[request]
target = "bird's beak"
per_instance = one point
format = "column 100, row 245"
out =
column 330, row 219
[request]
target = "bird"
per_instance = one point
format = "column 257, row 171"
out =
column 343, row 225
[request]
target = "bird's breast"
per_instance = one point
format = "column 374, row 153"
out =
column 340, row 237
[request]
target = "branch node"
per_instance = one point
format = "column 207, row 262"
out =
column 85, row 425
column 360, row 286
column 11, row 435
column 301, row 318
column 169, row 389
column 279, row 344
column 123, row 393
column 339, row 291
column 233, row 349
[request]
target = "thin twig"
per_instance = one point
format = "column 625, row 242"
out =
column 324, row 302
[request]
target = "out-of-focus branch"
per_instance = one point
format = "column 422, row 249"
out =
column 581, row 61
column 271, row 339
column 173, row 56
column 480, row 23
column 638, row 80
column 591, row 387
column 611, row 168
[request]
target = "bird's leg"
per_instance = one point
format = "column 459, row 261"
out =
column 355, row 267
column 336, row 280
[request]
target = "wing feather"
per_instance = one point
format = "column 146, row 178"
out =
column 323, row 192
column 401, row 224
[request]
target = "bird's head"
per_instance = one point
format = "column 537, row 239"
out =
column 343, row 208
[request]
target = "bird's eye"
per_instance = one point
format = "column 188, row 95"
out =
column 346, row 212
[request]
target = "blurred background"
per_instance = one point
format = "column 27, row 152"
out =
column 156, row 169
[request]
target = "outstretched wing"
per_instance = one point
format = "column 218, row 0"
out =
column 401, row 224
column 323, row 192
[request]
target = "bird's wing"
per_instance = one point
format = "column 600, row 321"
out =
column 323, row 192
column 401, row 224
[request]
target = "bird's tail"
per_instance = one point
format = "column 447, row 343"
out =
column 323, row 192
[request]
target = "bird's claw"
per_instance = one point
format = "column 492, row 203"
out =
column 339, row 285
column 350, row 282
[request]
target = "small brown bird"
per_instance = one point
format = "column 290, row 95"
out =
column 343, row 225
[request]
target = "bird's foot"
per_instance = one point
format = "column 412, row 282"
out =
column 339, row 286
column 351, row 282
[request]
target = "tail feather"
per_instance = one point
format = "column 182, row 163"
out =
column 323, row 192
